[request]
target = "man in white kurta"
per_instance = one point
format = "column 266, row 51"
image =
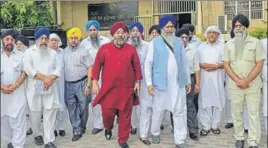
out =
column 43, row 67
column 93, row 43
column 143, row 111
column 13, row 100
column 167, row 75
column 265, row 83
column 62, row 115
column 212, row 94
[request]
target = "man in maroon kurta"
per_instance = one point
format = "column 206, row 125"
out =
column 121, row 75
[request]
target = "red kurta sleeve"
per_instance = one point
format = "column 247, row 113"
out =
column 136, row 65
column 99, row 60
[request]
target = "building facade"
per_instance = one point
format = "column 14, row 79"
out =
column 200, row 13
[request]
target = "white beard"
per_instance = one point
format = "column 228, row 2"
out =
column 240, row 38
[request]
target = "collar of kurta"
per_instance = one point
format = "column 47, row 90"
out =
column 248, row 39
column 75, row 48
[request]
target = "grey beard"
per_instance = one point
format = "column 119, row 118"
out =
column 136, row 41
column 95, row 41
column 240, row 37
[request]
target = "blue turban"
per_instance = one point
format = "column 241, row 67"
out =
column 95, row 23
column 165, row 19
column 138, row 25
column 41, row 31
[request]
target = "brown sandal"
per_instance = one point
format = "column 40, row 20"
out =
column 216, row 131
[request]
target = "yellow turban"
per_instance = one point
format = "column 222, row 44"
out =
column 76, row 31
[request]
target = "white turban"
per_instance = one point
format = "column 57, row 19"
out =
column 216, row 29
column 55, row 36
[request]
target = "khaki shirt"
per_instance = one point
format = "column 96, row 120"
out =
column 253, row 52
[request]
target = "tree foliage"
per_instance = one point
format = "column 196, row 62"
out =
column 18, row 14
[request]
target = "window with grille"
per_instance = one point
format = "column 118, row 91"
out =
column 251, row 9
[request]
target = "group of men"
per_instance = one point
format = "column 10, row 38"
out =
column 134, row 80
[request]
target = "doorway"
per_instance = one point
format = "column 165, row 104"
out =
column 183, row 19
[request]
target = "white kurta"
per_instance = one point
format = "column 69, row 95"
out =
column 47, row 63
column 13, row 106
column 264, row 74
column 95, row 111
column 172, row 98
column 212, row 92
column 61, row 81
column 11, row 68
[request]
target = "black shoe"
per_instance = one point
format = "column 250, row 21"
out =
column 62, row 133
column 55, row 133
column 133, row 131
column 96, row 131
column 229, row 125
column 239, row 144
column 146, row 142
column 194, row 136
column 83, row 132
column 162, row 127
column 39, row 140
column 50, row 145
column 253, row 147
column 108, row 134
column 10, row 145
column 246, row 131
column 124, row 145
column 76, row 137
column 29, row 132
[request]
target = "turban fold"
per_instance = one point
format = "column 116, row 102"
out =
column 55, row 36
column 138, row 25
column 117, row 26
column 190, row 26
column 39, row 31
column 154, row 27
column 165, row 19
column 216, row 29
column 182, row 31
column 11, row 32
column 76, row 31
column 24, row 40
column 241, row 19
column 94, row 23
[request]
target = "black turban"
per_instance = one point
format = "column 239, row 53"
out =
column 241, row 19
column 182, row 31
column 23, row 39
column 154, row 27
column 190, row 26
column 11, row 32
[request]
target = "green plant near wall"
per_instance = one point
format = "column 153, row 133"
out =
column 18, row 14
column 259, row 33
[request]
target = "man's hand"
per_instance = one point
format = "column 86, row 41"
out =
column 243, row 84
column 150, row 90
column 95, row 87
column 196, row 88
column 5, row 89
column 188, row 88
column 87, row 89
column 48, row 80
column 13, row 87
column 137, row 87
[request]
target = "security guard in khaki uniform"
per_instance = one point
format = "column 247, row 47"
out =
column 243, row 62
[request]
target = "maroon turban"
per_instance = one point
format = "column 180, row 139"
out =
column 116, row 26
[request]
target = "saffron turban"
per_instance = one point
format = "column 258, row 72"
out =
column 39, row 31
column 55, row 36
column 138, row 25
column 182, row 31
column 23, row 39
column 116, row 26
column 74, row 31
column 94, row 23
column 154, row 27
column 165, row 19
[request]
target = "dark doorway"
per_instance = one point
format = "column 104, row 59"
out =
column 183, row 19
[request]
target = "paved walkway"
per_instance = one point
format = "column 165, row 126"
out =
column 224, row 140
